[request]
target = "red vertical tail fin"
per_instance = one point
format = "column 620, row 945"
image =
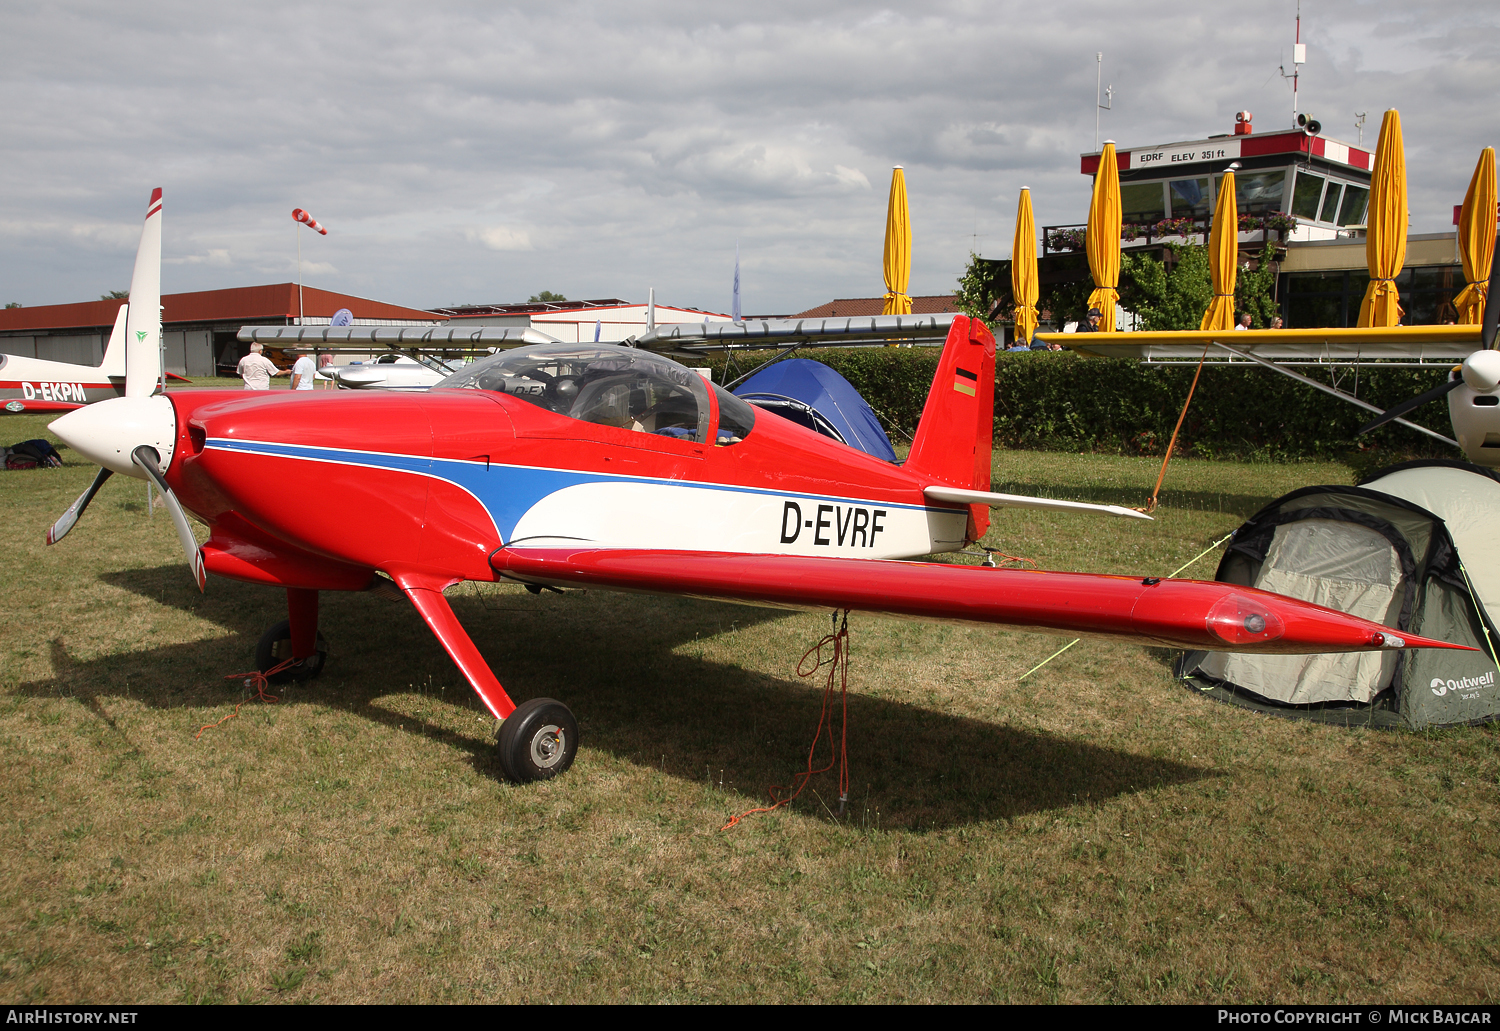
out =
column 954, row 438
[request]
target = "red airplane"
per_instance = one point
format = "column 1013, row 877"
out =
column 599, row 465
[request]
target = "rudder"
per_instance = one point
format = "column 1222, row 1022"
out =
column 955, row 436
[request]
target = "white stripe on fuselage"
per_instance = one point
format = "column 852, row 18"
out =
column 681, row 517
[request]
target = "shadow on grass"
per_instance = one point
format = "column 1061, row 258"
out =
column 614, row 659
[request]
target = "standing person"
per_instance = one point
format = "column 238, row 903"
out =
column 1090, row 323
column 256, row 369
column 1276, row 322
column 1244, row 322
column 325, row 369
column 302, row 373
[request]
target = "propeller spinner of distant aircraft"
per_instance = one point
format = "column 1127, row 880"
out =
column 596, row 465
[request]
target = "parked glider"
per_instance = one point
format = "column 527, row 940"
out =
column 593, row 465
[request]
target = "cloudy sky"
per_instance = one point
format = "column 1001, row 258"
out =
column 481, row 152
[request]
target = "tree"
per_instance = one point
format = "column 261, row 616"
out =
column 1166, row 298
column 977, row 290
column 1255, row 291
column 14, row 304
column 1174, row 295
column 546, row 297
column 115, row 295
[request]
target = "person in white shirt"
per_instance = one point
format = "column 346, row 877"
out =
column 302, row 373
column 1244, row 322
column 256, row 369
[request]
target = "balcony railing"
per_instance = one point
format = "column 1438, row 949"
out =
column 1071, row 238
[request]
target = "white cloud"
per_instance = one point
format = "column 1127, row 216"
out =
column 499, row 238
column 215, row 256
column 851, row 177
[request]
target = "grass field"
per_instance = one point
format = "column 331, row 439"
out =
column 1095, row 832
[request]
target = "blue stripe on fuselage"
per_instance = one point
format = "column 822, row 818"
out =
column 507, row 492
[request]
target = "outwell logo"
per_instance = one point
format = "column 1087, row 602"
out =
column 1441, row 687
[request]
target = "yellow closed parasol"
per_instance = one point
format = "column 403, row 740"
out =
column 1476, row 239
column 1223, row 253
column 1023, row 271
column 1104, row 238
column 897, row 248
column 1385, row 232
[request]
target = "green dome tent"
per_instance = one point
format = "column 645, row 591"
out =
column 1414, row 547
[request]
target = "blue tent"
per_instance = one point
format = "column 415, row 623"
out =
column 813, row 395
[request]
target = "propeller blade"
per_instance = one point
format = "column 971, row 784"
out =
column 68, row 518
column 1491, row 312
column 143, row 314
column 1405, row 406
column 147, row 459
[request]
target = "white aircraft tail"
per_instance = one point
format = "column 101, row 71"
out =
column 143, row 313
column 114, row 352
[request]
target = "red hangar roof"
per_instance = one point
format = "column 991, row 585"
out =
column 857, row 306
column 235, row 305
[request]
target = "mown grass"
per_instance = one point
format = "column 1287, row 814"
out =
column 1095, row 832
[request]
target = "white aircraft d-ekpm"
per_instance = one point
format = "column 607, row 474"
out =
column 37, row 385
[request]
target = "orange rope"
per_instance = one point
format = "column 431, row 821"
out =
column 1150, row 506
column 838, row 666
column 256, row 681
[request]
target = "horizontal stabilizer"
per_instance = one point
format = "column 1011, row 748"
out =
column 981, row 497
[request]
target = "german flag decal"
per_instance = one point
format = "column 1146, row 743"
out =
column 962, row 387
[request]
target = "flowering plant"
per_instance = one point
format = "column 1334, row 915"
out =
column 1176, row 227
column 1276, row 222
column 1067, row 239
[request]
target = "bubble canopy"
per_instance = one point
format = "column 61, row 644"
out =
column 610, row 385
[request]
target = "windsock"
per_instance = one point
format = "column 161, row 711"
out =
column 308, row 220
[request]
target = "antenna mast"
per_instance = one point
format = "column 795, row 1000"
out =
column 1299, row 58
column 1107, row 92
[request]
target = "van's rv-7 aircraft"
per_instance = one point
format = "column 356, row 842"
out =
column 604, row 466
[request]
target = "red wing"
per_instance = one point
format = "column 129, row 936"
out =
column 1178, row 613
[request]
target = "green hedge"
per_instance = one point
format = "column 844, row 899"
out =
column 1063, row 402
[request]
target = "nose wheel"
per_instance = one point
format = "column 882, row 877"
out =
column 538, row 741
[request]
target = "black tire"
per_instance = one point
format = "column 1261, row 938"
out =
column 538, row 741
column 275, row 646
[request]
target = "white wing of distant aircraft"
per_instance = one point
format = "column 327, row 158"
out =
column 414, row 361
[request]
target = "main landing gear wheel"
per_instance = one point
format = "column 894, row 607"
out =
column 538, row 740
column 275, row 647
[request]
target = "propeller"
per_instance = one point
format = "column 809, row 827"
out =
column 148, row 461
column 133, row 435
column 1396, row 412
column 1475, row 368
column 68, row 518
